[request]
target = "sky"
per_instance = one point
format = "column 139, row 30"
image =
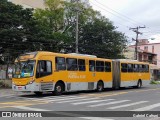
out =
column 126, row 14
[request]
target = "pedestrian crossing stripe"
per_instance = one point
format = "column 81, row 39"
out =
column 146, row 108
column 109, row 103
column 127, row 105
column 78, row 100
column 86, row 102
column 56, row 99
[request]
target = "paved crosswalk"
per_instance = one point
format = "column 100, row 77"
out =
column 127, row 105
column 93, row 102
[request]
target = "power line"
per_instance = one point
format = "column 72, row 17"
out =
column 111, row 13
column 126, row 17
column 119, row 16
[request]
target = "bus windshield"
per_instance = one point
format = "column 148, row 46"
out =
column 24, row 69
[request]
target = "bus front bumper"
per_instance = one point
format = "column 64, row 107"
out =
column 26, row 88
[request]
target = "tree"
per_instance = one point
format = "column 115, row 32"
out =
column 51, row 21
column 101, row 39
column 97, row 35
column 18, row 30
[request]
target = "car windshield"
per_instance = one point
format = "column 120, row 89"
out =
column 24, row 69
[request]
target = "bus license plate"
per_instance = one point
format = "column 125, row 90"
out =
column 19, row 88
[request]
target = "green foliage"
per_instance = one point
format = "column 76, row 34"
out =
column 53, row 29
column 18, row 30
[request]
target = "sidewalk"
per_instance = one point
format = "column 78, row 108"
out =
column 7, row 92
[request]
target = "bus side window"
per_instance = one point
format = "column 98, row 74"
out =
column 143, row 68
column 60, row 63
column 91, row 65
column 44, row 68
column 147, row 68
column 81, row 65
column 124, row 67
column 135, row 69
column 107, row 66
column 99, row 66
column 72, row 64
column 130, row 67
column 140, row 68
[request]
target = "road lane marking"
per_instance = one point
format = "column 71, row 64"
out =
column 56, row 99
column 110, row 103
column 105, row 95
column 147, row 107
column 79, row 103
column 30, row 108
column 20, row 103
column 140, row 90
column 77, row 100
column 126, row 105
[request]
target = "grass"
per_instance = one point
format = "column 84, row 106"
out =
column 155, row 82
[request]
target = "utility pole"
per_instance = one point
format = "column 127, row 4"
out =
column 77, row 29
column 136, row 30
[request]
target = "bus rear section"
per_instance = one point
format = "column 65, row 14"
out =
column 130, row 73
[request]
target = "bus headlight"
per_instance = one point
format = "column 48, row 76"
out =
column 31, row 81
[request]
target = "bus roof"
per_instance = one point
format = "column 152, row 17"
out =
column 130, row 61
column 35, row 55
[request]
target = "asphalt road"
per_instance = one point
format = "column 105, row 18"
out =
column 89, row 105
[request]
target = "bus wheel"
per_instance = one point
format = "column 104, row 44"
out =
column 38, row 93
column 58, row 89
column 139, row 84
column 100, row 86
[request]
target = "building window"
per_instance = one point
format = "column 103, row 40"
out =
column 152, row 49
column 146, row 48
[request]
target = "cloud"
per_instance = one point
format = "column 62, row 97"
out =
column 140, row 12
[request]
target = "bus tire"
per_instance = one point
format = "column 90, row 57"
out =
column 38, row 93
column 139, row 84
column 58, row 88
column 100, row 86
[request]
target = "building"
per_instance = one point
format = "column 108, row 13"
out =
column 151, row 51
column 142, row 55
column 29, row 3
column 40, row 3
column 146, row 52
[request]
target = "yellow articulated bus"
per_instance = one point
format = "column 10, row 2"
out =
column 42, row 71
